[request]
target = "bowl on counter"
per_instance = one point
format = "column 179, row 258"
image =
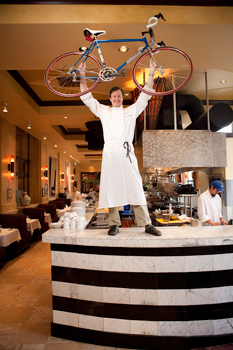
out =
column 166, row 217
column 174, row 216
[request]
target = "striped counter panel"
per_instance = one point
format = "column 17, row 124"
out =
column 143, row 298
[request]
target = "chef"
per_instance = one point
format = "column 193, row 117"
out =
column 121, row 182
column 210, row 205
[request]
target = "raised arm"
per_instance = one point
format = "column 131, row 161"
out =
column 83, row 84
column 150, row 81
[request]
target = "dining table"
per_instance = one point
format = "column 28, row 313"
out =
column 32, row 225
column 47, row 218
column 8, row 236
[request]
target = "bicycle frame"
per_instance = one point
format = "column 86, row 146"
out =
column 97, row 42
column 173, row 66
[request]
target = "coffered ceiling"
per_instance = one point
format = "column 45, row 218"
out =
column 32, row 35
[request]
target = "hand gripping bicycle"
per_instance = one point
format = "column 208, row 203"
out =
column 174, row 67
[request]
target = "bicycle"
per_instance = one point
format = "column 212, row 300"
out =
column 174, row 66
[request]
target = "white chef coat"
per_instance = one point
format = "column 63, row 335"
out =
column 209, row 208
column 76, row 196
column 121, row 182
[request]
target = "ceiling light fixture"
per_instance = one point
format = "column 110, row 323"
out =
column 29, row 125
column 123, row 49
column 5, row 110
column 223, row 81
column 65, row 117
column 83, row 48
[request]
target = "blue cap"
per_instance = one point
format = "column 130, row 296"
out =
column 217, row 184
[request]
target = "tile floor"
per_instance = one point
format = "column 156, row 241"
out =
column 26, row 304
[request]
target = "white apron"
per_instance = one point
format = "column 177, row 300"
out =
column 120, row 182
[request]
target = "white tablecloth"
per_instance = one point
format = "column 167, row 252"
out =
column 33, row 224
column 61, row 212
column 47, row 218
column 8, row 236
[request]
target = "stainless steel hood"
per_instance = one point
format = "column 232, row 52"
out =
column 180, row 150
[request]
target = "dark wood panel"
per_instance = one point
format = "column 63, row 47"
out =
column 126, row 2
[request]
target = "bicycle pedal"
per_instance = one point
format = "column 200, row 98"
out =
column 123, row 72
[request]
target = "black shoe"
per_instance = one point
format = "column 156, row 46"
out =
column 152, row 230
column 113, row 230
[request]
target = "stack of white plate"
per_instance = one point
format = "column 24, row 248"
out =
column 78, row 207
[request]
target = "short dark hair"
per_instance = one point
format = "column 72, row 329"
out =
column 115, row 88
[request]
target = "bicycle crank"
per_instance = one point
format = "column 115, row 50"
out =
column 108, row 74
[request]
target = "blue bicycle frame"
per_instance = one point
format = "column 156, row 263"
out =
column 97, row 42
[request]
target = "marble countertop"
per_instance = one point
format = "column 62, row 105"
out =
column 136, row 236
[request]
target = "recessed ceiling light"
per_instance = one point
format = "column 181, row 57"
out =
column 83, row 48
column 223, row 81
column 123, row 49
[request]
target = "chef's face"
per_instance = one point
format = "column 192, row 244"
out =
column 116, row 98
column 213, row 191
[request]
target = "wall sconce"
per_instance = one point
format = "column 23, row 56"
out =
column 5, row 110
column 29, row 125
column 72, row 178
column 46, row 173
column 62, row 176
column 11, row 167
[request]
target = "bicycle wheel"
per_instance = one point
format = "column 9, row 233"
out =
column 174, row 73
column 62, row 76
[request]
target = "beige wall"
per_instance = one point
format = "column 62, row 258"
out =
column 34, row 169
column 46, row 153
column 7, row 148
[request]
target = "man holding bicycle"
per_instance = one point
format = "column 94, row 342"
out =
column 120, row 182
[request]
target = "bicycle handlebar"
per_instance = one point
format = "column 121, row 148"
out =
column 150, row 24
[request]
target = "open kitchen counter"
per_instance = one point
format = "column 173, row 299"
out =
column 139, row 291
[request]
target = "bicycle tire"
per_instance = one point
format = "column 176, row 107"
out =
column 177, row 67
column 59, row 79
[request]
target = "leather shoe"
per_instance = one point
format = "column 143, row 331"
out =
column 113, row 230
column 152, row 230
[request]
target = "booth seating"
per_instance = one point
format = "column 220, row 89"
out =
column 60, row 204
column 37, row 213
column 67, row 201
column 16, row 221
column 2, row 256
column 51, row 209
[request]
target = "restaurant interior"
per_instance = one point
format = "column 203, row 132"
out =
column 49, row 143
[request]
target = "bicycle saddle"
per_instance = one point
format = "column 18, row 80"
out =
column 91, row 34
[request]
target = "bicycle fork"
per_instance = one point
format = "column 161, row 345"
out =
column 159, row 68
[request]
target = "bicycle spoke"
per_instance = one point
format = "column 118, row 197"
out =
column 63, row 79
column 176, row 69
